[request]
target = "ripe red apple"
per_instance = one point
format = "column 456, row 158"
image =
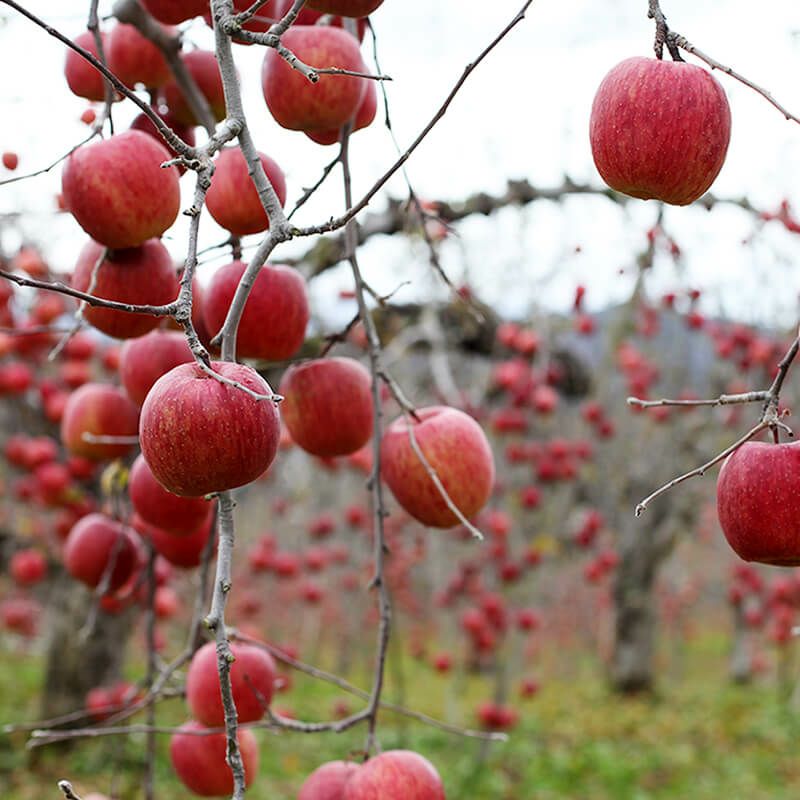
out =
column 200, row 436
column 82, row 78
column 181, row 516
column 309, row 16
column 199, row 761
column 28, row 567
column 252, row 684
column 346, row 8
column 10, row 160
column 171, row 12
column 327, row 782
column 143, row 123
column 298, row 104
column 118, row 192
column 457, row 449
column 327, row 405
column 93, row 543
column 395, row 775
column 138, row 275
column 273, row 325
column 144, row 360
column 102, row 410
column 757, row 502
column 180, row 551
column 202, row 66
column 660, row 129
column 364, row 117
column 233, row 200
column 135, row 59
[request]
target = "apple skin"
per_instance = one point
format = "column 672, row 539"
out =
column 327, row 782
column 659, row 129
column 103, row 410
column 364, row 117
column 253, row 673
column 456, row 447
column 346, row 8
column 142, row 275
column 181, row 516
column 134, row 59
column 757, row 502
column 202, row 66
column 199, row 761
column 298, row 104
column 273, row 325
column 201, row 436
column 82, row 78
column 395, row 775
column 144, row 360
column 91, row 544
column 327, row 405
column 171, row 12
column 118, row 192
column 184, row 551
column 233, row 200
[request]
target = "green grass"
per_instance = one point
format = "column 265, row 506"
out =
column 700, row 739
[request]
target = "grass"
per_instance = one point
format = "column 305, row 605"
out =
column 700, row 738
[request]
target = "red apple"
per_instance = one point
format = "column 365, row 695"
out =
column 364, row 117
column 328, row 781
column 273, row 325
column 199, row 760
column 252, row 684
column 233, row 200
column 298, row 104
column 202, row 66
column 94, row 543
column 660, row 129
column 457, row 449
column 757, row 502
column 144, row 360
column 171, row 12
column 200, row 436
column 137, row 275
column 346, row 8
column 102, row 410
column 28, row 567
column 10, row 160
column 82, row 78
column 143, row 123
column 395, row 775
column 135, row 59
column 327, row 405
column 181, row 516
column 118, row 192
column 180, row 551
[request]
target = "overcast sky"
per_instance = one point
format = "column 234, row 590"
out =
column 523, row 114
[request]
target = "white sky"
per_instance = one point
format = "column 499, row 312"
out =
column 523, row 114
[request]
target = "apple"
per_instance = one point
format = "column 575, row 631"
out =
column 395, row 775
column 346, row 8
column 200, row 763
column 93, row 543
column 660, row 129
column 364, row 117
column 102, row 410
column 138, row 275
column 233, row 200
column 273, row 325
column 135, row 59
column 184, row 551
column 171, row 12
column 202, row 66
column 144, row 360
column 327, row 405
column 27, row 567
column 200, row 436
column 118, row 192
column 143, row 123
column 10, row 160
column 181, row 516
column 252, row 684
column 298, row 104
column 309, row 16
column 457, row 449
column 757, row 502
column 327, row 782
column 82, row 78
